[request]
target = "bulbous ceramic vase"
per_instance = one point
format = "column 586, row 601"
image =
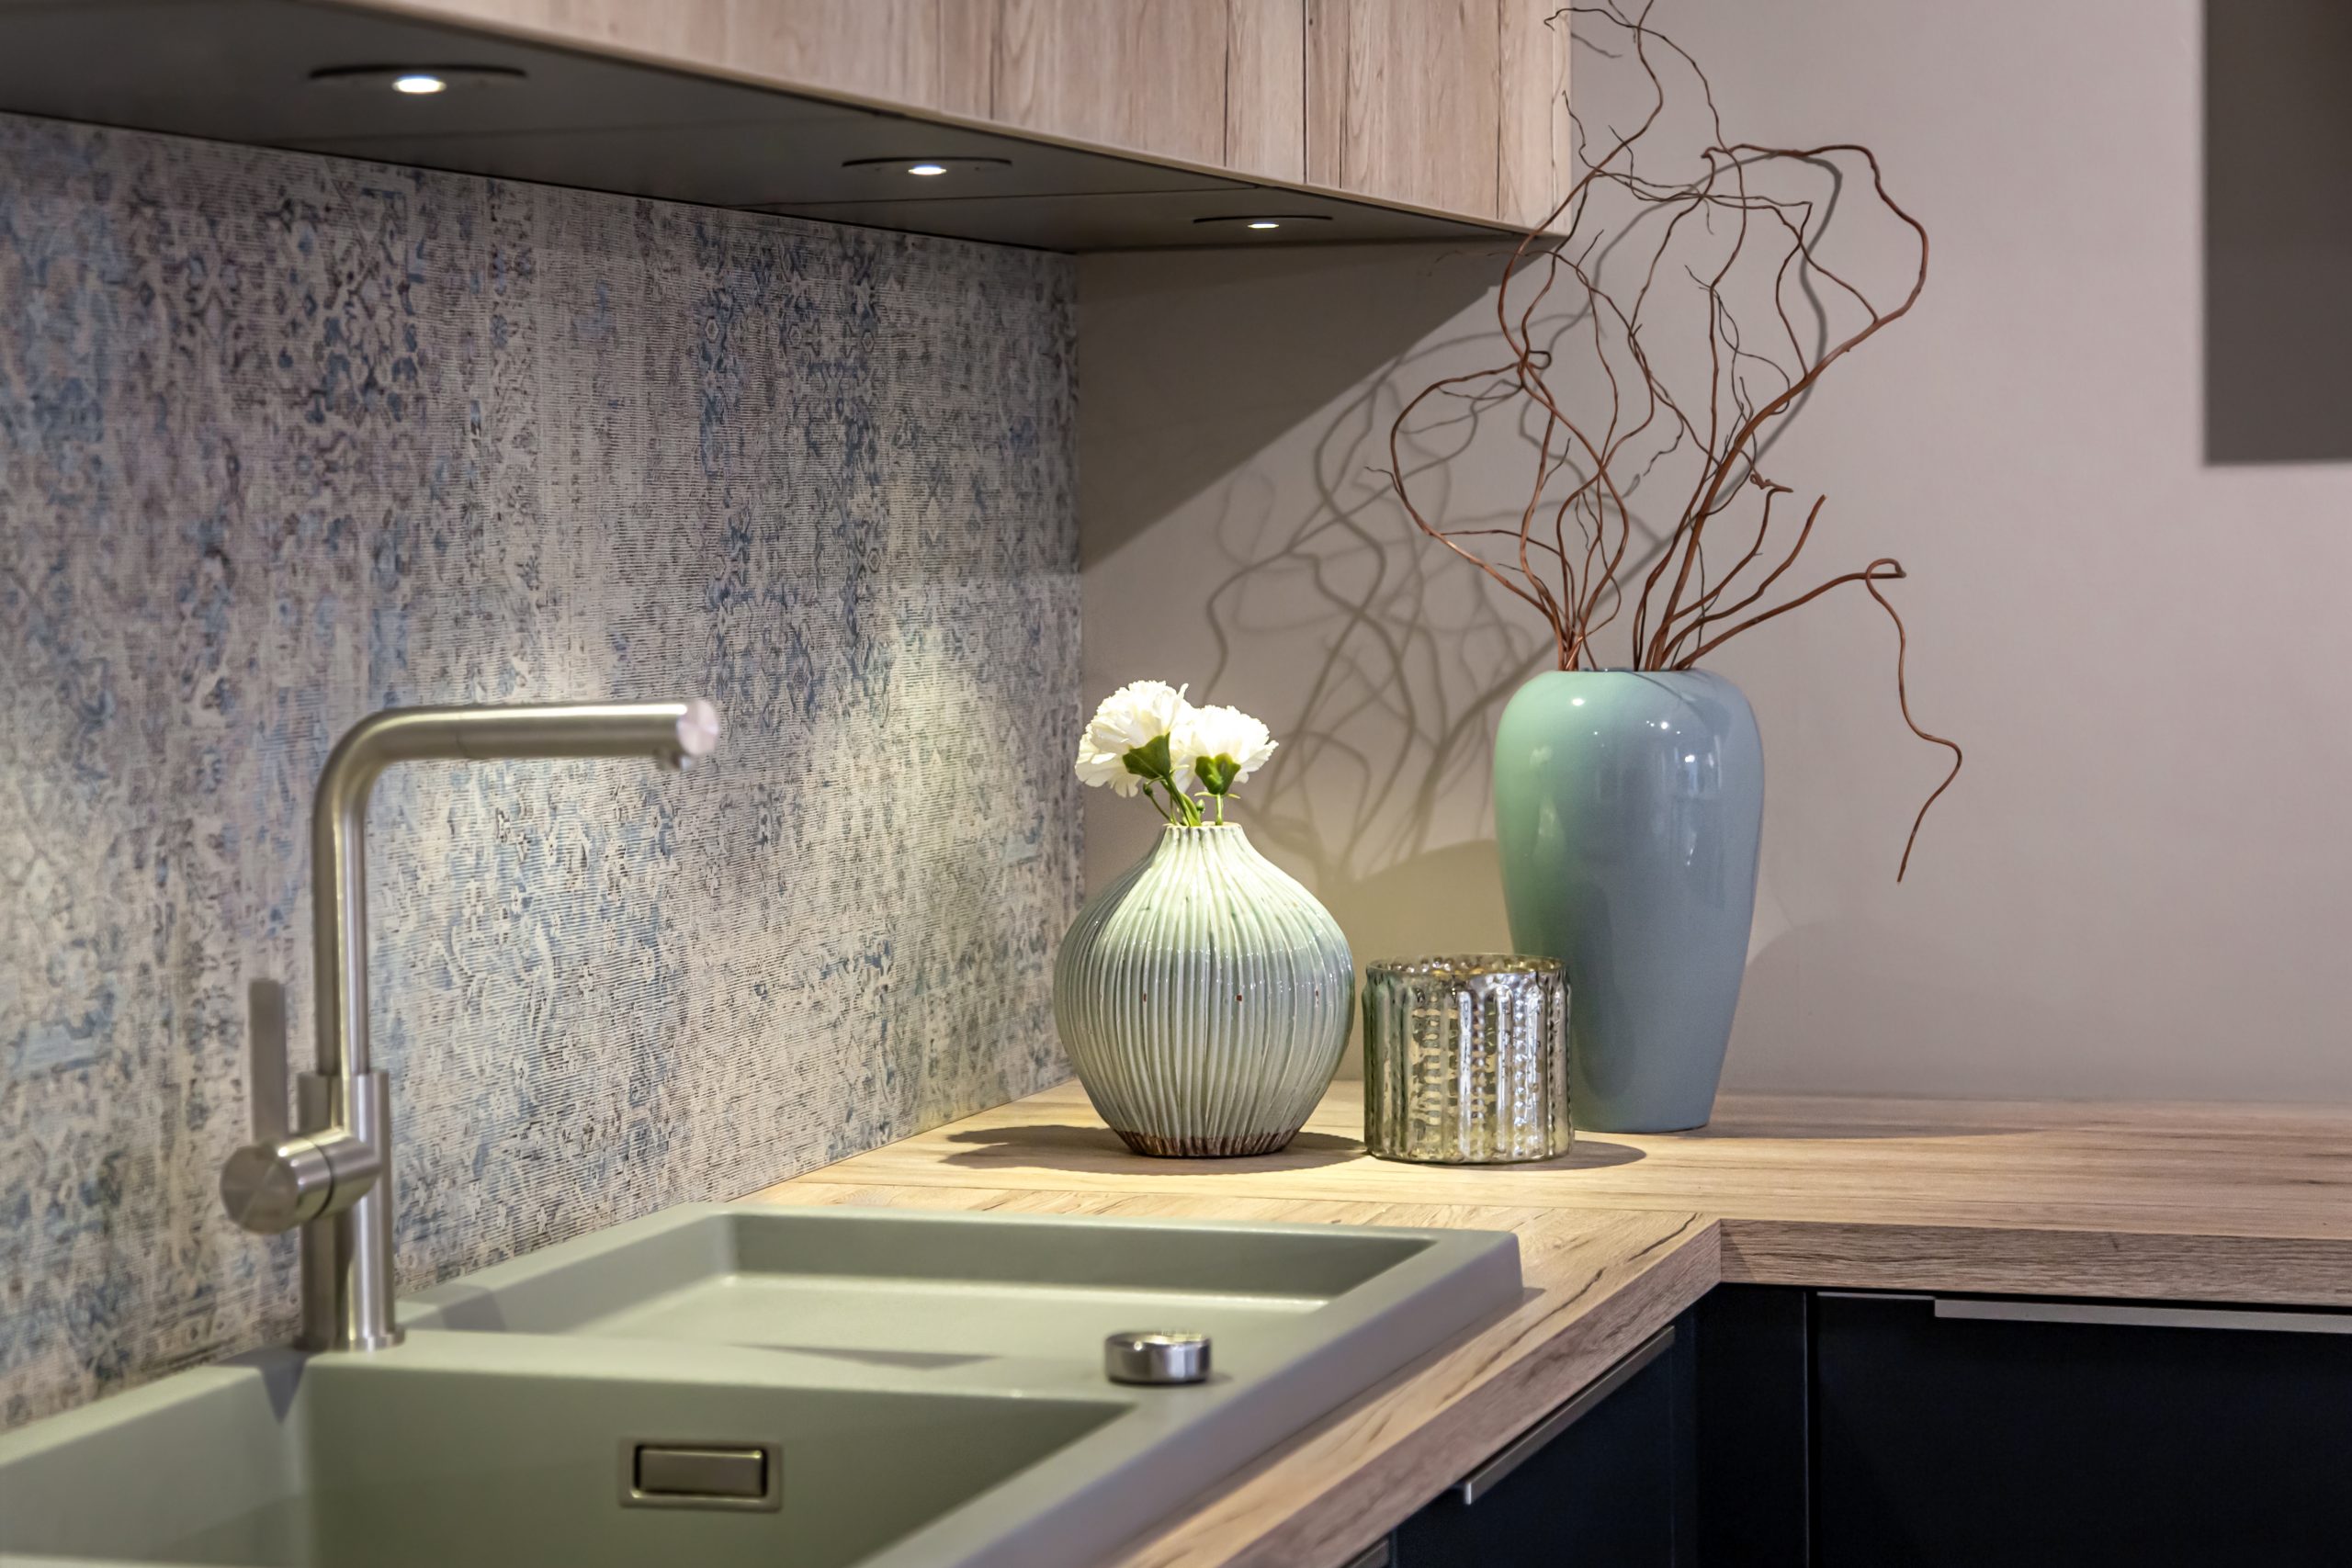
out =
column 1204, row 997
column 1629, row 809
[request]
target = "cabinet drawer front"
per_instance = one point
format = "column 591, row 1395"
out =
column 1995, row 1433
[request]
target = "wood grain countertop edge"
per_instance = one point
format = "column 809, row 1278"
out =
column 2255, row 1216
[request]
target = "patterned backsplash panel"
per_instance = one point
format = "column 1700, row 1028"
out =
column 284, row 439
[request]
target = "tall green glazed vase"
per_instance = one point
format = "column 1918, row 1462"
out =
column 1204, row 997
column 1629, row 806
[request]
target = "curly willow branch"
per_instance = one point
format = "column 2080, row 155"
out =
column 1903, row 697
column 1730, row 241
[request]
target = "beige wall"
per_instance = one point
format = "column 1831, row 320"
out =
column 2140, row 886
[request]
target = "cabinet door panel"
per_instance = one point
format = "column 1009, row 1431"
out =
column 900, row 51
column 1534, row 144
column 1754, row 1378
column 1143, row 73
column 1265, row 88
column 1944, row 1440
column 1459, row 106
column 1609, row 1489
column 1403, row 100
column 927, row 54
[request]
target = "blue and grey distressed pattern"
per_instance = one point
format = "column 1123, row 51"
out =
column 284, row 439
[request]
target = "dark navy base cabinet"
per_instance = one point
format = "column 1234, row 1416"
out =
column 1613, row 1486
column 1946, row 1439
column 1753, row 1400
column 1786, row 1429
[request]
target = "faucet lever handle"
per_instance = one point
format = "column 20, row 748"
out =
column 266, row 1058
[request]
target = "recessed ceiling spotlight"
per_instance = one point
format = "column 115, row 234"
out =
column 1262, row 222
column 414, row 81
column 928, row 168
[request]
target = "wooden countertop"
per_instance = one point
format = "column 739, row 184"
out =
column 2148, row 1201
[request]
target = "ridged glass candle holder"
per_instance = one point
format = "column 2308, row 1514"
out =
column 1466, row 1060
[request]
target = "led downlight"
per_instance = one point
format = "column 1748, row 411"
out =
column 414, row 81
column 921, row 167
column 1262, row 222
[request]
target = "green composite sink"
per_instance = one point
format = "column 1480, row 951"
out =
column 438, row 1454
column 918, row 1284
column 909, row 1390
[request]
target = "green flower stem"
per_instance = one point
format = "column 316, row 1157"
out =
column 1151, row 763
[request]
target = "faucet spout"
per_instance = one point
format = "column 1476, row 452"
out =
column 674, row 734
column 332, row 1178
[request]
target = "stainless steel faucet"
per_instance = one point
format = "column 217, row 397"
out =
column 333, row 1175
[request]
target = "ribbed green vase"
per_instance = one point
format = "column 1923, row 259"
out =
column 1204, row 997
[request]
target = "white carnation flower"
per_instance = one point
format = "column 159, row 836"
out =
column 1106, row 768
column 1133, row 716
column 1136, row 715
column 1220, row 732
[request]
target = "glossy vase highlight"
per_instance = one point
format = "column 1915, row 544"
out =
column 1629, row 806
column 1204, row 997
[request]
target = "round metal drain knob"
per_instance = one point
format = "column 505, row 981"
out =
column 1157, row 1357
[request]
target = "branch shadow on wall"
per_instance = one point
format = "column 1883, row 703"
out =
column 1239, row 532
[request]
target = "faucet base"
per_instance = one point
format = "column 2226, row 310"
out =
column 347, row 1252
column 379, row 1341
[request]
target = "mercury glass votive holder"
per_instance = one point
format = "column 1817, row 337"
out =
column 1466, row 1060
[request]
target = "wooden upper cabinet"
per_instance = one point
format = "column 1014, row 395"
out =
column 1219, row 82
column 1265, row 88
column 1214, row 82
column 924, row 54
column 1534, row 149
column 1455, row 106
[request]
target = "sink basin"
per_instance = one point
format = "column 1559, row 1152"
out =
column 915, row 1285
column 927, row 1387
column 432, row 1455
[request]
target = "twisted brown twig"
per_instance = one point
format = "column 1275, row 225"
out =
column 1736, row 243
